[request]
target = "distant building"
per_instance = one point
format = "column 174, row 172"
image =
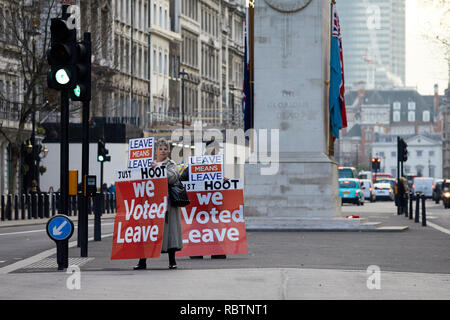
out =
column 446, row 133
column 373, row 114
column 373, row 36
column 424, row 154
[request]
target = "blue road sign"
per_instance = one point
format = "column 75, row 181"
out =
column 60, row 228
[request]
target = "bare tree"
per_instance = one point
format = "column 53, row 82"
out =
column 26, row 24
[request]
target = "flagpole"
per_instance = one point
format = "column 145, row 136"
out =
column 330, row 137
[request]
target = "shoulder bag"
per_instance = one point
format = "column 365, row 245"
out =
column 178, row 195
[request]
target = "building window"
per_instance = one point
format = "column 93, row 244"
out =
column 394, row 172
column 431, row 153
column 397, row 105
column 411, row 116
column 411, row 105
column 431, row 170
column 393, row 154
column 419, row 153
column 396, row 116
column 419, row 171
column 426, row 116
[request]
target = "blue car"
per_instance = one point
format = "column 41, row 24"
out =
column 350, row 191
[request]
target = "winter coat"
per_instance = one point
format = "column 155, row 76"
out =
column 172, row 235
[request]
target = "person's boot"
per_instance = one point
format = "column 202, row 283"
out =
column 142, row 265
column 218, row 256
column 172, row 262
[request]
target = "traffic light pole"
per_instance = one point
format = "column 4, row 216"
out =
column 399, row 202
column 83, row 218
column 64, row 153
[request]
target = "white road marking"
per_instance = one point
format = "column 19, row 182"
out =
column 43, row 230
column 38, row 257
column 439, row 228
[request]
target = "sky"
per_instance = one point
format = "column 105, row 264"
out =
column 426, row 62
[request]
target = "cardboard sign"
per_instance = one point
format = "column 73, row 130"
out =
column 214, row 222
column 141, row 207
column 202, row 168
column 140, row 152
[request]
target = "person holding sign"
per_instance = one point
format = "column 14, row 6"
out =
column 172, row 235
column 212, row 148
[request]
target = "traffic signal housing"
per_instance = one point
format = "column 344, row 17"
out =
column 402, row 150
column 376, row 162
column 62, row 55
column 82, row 89
column 102, row 152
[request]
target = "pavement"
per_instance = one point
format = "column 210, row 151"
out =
column 412, row 264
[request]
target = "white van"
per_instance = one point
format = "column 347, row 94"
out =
column 368, row 189
column 423, row 185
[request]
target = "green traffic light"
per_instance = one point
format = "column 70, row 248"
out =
column 62, row 77
column 100, row 158
column 77, row 91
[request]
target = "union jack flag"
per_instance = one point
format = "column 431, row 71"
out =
column 247, row 107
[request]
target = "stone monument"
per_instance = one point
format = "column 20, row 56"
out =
column 291, row 70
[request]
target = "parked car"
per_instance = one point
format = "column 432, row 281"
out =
column 384, row 190
column 350, row 191
column 423, row 185
column 368, row 189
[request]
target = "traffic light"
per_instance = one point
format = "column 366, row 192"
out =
column 402, row 150
column 102, row 152
column 62, row 55
column 82, row 89
column 376, row 163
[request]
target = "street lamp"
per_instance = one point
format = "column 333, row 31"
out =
column 232, row 88
column 182, row 74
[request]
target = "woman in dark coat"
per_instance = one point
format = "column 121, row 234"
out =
column 172, row 235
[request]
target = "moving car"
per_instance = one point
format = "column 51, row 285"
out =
column 445, row 194
column 363, row 175
column 368, row 189
column 347, row 172
column 423, row 185
column 392, row 182
column 350, row 191
column 384, row 190
column 437, row 190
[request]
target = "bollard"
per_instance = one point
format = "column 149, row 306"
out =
column 34, row 205
column 28, row 205
column 9, row 207
column 107, row 202
column 410, row 205
column 97, row 216
column 41, row 206
column 3, row 207
column 53, row 204
column 22, row 205
column 424, row 214
column 16, row 207
column 58, row 208
column 416, row 218
column 46, row 205
column 405, row 209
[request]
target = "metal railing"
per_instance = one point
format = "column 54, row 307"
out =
column 45, row 205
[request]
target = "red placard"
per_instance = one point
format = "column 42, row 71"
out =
column 139, row 223
column 214, row 223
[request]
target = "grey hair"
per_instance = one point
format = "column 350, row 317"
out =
column 162, row 142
